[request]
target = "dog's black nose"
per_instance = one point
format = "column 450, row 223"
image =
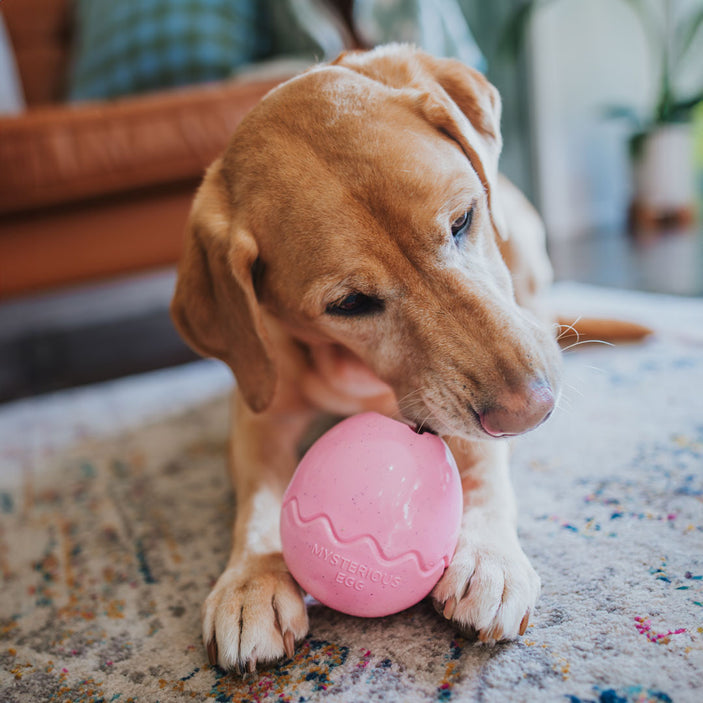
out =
column 516, row 412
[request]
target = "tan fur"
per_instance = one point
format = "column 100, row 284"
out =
column 347, row 179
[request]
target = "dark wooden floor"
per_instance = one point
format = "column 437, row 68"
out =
column 120, row 328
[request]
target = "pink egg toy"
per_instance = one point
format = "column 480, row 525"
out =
column 371, row 517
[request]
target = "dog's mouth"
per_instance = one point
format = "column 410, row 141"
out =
column 433, row 422
column 424, row 426
column 471, row 425
column 424, row 429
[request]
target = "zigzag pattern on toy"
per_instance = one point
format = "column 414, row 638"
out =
column 369, row 540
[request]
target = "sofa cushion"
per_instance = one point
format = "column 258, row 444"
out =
column 58, row 155
column 134, row 46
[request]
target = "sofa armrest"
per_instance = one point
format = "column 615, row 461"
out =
column 68, row 153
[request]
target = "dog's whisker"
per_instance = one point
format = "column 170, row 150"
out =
column 588, row 341
column 564, row 402
column 414, row 410
column 448, row 405
column 407, row 401
column 421, row 425
column 438, row 425
column 429, row 414
column 415, row 404
column 563, row 406
column 409, row 410
column 566, row 326
column 417, row 391
column 573, row 388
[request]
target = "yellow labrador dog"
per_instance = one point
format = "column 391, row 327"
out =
column 355, row 249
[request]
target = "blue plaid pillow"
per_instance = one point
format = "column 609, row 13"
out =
column 133, row 46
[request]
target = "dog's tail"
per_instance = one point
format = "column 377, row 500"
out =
column 591, row 329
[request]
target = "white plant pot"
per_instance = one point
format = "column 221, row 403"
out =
column 664, row 171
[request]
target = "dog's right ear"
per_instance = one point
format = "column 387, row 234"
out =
column 453, row 97
column 214, row 307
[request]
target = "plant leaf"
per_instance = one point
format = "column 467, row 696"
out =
column 680, row 111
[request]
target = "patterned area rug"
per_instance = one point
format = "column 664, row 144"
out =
column 115, row 516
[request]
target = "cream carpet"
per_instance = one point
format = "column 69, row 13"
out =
column 115, row 515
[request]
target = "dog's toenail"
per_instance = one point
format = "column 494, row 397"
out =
column 212, row 651
column 289, row 644
column 449, row 608
column 523, row 624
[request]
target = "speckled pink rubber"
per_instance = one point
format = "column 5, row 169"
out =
column 371, row 517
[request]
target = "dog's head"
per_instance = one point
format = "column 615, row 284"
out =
column 357, row 204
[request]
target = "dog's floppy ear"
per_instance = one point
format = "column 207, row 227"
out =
column 475, row 125
column 214, row 306
column 456, row 99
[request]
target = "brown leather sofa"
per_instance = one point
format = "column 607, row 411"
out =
column 93, row 190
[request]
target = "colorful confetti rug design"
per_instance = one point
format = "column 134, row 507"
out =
column 115, row 515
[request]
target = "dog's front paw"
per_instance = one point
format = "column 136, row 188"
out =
column 489, row 590
column 254, row 614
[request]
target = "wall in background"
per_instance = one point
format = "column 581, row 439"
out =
column 585, row 55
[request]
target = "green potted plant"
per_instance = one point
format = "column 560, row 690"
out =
column 661, row 143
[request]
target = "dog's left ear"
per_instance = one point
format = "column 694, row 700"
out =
column 458, row 100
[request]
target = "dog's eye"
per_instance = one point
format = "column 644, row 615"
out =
column 356, row 304
column 462, row 224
